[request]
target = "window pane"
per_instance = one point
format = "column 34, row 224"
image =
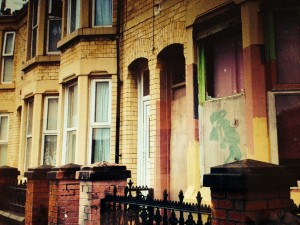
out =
column 288, row 128
column 72, row 106
column 8, row 62
column 28, row 152
column 29, row 118
column 71, row 146
column 100, row 145
column 50, row 150
column 3, row 152
column 146, row 83
column 102, row 102
column 74, row 14
column 3, row 128
column 55, row 8
column 52, row 114
column 103, row 13
column 9, row 43
column 33, row 42
column 34, row 12
column 54, row 34
column 288, row 46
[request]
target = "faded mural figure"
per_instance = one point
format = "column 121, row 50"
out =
column 227, row 135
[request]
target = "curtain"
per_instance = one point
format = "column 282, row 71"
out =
column 72, row 106
column 3, row 128
column 101, row 144
column 50, row 150
column 103, row 12
column 102, row 102
column 9, row 43
column 71, row 145
column 52, row 114
column 3, row 150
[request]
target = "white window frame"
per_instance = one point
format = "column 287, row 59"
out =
column 93, row 124
column 66, row 129
column 10, row 54
column 5, row 141
column 77, row 25
column 94, row 16
column 27, row 136
column 45, row 131
column 50, row 18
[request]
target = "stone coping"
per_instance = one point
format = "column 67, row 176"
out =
column 7, row 171
column 249, row 174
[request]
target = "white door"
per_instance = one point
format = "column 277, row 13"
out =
column 144, row 131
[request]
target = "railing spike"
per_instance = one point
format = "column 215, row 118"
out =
column 181, row 196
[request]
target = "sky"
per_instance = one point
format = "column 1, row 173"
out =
column 14, row 4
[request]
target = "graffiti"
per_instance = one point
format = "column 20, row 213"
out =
column 227, row 135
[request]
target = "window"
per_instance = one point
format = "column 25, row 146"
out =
column 50, row 131
column 71, row 123
column 100, row 120
column 288, row 128
column 34, row 27
column 29, row 121
column 4, row 121
column 8, row 57
column 54, row 25
column 73, row 15
column 283, row 45
column 102, row 12
column 223, row 64
column 219, row 36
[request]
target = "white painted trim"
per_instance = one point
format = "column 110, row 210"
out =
column 93, row 124
column 66, row 129
column 5, row 115
column 45, row 131
column 26, row 135
column 11, row 54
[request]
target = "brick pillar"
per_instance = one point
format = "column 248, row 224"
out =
column 63, row 195
column 8, row 176
column 96, row 180
column 249, row 192
column 37, row 195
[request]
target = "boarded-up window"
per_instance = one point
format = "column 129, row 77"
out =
column 287, row 31
column 288, row 128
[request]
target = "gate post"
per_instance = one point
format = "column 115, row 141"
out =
column 96, row 180
column 37, row 196
column 63, row 195
column 249, row 192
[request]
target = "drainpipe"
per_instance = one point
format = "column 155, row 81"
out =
column 118, row 110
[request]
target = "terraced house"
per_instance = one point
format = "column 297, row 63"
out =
column 168, row 88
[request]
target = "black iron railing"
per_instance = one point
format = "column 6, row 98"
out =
column 141, row 208
column 14, row 198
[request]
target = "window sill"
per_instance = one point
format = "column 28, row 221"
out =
column 7, row 86
column 85, row 32
column 40, row 59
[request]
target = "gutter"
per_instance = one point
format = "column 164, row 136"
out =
column 118, row 110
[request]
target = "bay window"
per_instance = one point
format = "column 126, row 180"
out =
column 73, row 15
column 4, row 121
column 71, row 123
column 8, row 57
column 28, row 148
column 54, row 25
column 50, row 131
column 102, row 12
column 100, row 120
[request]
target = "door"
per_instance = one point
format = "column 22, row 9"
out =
column 144, row 130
